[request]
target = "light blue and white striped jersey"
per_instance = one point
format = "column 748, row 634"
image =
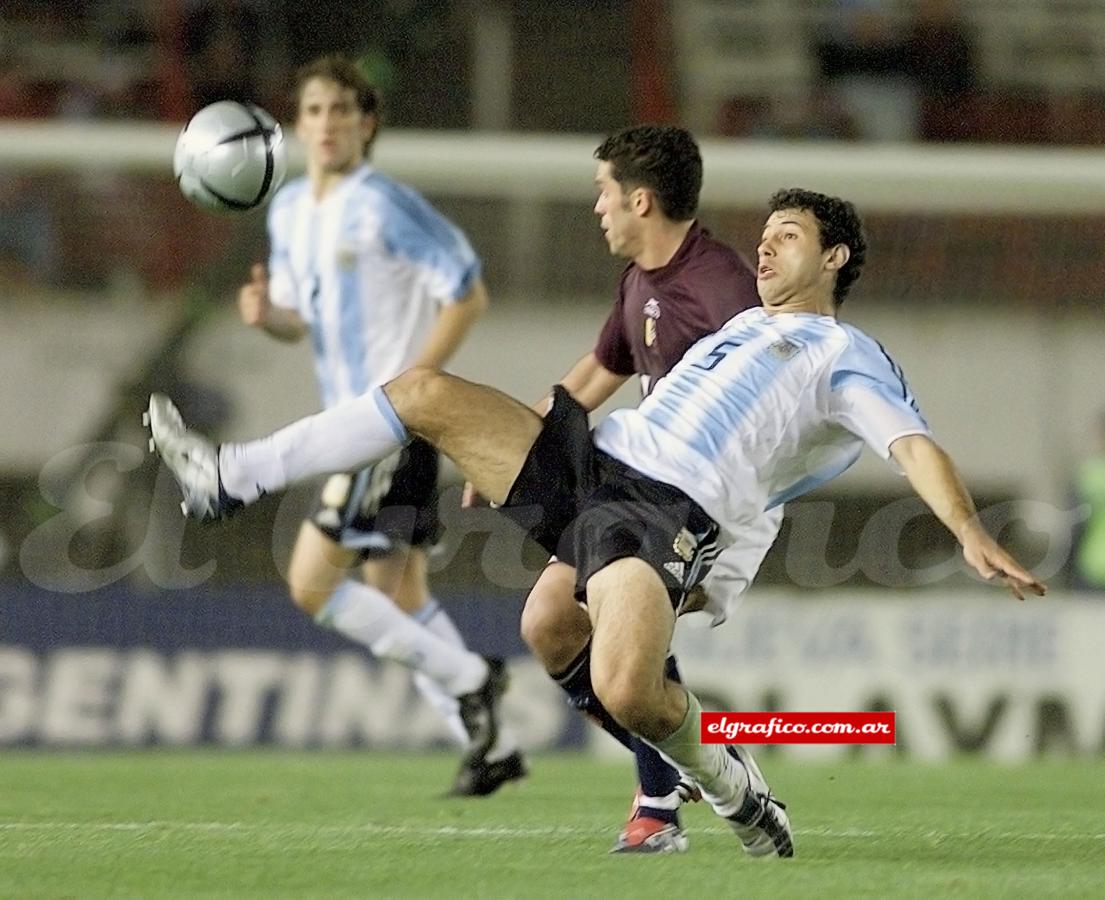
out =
column 367, row 267
column 763, row 411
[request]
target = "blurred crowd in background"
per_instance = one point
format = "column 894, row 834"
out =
column 987, row 71
column 1025, row 71
column 138, row 59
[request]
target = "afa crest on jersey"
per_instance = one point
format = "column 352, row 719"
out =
column 685, row 545
column 652, row 316
column 784, row 349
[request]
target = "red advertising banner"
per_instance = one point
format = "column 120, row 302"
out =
column 797, row 727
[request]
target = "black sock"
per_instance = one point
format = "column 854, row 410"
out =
column 658, row 778
column 576, row 682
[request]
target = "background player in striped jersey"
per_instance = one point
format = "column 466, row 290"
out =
column 780, row 400
column 680, row 284
column 380, row 281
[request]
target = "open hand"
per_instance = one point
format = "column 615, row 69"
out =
column 992, row 562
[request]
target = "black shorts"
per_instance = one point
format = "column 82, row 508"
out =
column 388, row 506
column 594, row 509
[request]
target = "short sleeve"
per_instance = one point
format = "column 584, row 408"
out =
column 869, row 397
column 413, row 229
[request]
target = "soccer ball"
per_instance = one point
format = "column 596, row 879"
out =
column 230, row 157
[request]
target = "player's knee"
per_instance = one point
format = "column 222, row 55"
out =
column 623, row 698
column 540, row 638
column 307, row 599
column 555, row 640
column 415, row 393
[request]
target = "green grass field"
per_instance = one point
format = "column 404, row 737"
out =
column 243, row 825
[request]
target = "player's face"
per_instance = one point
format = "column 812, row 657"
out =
column 791, row 262
column 331, row 125
column 620, row 225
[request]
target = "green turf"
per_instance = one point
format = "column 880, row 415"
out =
column 247, row 825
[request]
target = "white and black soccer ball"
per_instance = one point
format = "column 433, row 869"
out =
column 230, row 157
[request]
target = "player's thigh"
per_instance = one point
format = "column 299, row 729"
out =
column 401, row 575
column 485, row 432
column 318, row 565
column 554, row 626
column 632, row 622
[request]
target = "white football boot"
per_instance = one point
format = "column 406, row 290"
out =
column 192, row 459
column 761, row 823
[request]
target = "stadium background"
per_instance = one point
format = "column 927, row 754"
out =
column 983, row 180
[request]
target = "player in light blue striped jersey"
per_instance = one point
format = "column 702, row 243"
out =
column 380, row 281
column 776, row 402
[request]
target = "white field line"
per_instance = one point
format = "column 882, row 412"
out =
column 497, row 833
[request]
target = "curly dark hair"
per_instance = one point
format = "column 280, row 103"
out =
column 839, row 223
column 663, row 158
column 342, row 70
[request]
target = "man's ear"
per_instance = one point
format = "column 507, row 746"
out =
column 369, row 124
column 641, row 201
column 838, row 257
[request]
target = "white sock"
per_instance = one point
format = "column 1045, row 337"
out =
column 433, row 617
column 445, row 705
column 344, row 438
column 722, row 779
column 437, row 620
column 369, row 617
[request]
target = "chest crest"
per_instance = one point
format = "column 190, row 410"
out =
column 784, row 349
column 651, row 313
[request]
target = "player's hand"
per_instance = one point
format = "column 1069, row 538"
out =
column 253, row 298
column 696, row 600
column 987, row 558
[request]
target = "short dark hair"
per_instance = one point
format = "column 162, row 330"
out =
column 838, row 223
column 662, row 158
column 345, row 72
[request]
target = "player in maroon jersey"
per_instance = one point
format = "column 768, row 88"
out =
column 680, row 284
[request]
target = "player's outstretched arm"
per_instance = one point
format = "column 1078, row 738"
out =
column 934, row 477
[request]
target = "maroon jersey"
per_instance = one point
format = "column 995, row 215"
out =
column 659, row 313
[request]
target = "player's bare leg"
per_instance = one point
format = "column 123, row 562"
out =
column 554, row 626
column 404, row 578
column 367, row 612
column 633, row 621
column 319, row 564
column 389, row 613
column 558, row 631
column 484, row 431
